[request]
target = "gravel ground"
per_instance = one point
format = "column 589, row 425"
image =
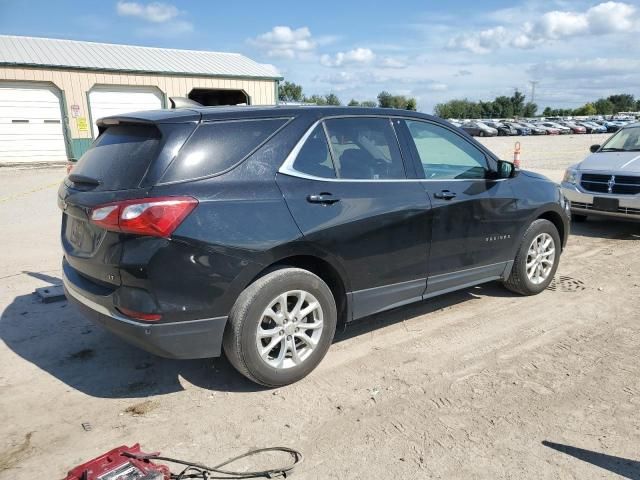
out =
column 549, row 155
column 476, row 384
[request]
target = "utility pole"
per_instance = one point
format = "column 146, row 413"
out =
column 533, row 89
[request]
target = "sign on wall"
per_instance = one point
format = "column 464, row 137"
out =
column 83, row 125
column 75, row 111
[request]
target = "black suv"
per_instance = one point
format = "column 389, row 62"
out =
column 257, row 230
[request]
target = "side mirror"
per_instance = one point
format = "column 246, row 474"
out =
column 594, row 148
column 506, row 169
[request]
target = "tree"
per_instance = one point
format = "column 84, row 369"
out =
column 603, row 106
column 386, row 100
column 290, row 92
column 353, row 103
column 530, row 110
column 331, row 99
column 586, row 110
column 368, row 104
column 517, row 104
column 622, row 102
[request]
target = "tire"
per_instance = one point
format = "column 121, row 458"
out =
column 519, row 281
column 576, row 217
column 481, row 134
column 247, row 316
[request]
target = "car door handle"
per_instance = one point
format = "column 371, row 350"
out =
column 445, row 195
column 323, row 198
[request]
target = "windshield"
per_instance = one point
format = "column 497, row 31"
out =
column 626, row 140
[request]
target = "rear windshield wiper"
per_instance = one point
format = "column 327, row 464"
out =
column 83, row 179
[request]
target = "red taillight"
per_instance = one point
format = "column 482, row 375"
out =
column 157, row 217
column 147, row 317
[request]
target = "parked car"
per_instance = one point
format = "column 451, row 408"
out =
column 593, row 127
column 575, row 128
column 549, row 130
column 536, row 129
column 272, row 225
column 556, row 126
column 607, row 182
column 520, row 128
column 502, row 128
column 479, row 129
column 610, row 126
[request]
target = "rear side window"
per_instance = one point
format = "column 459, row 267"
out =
column 314, row 157
column 120, row 156
column 217, row 146
column 365, row 148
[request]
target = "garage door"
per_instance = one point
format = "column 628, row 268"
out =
column 107, row 101
column 30, row 125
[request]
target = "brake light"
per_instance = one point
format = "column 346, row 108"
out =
column 156, row 217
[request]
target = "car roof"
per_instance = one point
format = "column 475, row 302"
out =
column 239, row 112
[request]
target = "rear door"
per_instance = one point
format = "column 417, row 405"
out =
column 347, row 188
column 475, row 216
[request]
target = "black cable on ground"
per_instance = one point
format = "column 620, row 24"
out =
column 199, row 470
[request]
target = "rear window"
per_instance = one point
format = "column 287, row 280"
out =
column 217, row 146
column 120, row 156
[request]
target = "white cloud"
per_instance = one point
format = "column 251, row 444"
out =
column 355, row 56
column 285, row 42
column 596, row 68
column 481, row 42
column 155, row 12
column 602, row 19
column 391, row 62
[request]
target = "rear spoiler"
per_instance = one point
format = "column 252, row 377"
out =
column 183, row 102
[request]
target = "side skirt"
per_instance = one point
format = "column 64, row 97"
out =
column 378, row 299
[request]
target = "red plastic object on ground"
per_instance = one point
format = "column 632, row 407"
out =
column 114, row 465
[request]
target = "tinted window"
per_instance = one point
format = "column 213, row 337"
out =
column 314, row 157
column 120, row 156
column 365, row 148
column 217, row 146
column 444, row 154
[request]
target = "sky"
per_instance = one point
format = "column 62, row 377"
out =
column 435, row 51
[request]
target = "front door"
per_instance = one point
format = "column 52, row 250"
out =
column 475, row 219
column 348, row 192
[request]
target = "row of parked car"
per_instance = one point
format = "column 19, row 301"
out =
column 493, row 128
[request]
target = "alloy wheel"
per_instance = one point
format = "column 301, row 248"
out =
column 289, row 329
column 540, row 258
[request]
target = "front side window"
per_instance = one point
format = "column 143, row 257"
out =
column 365, row 148
column 314, row 157
column 445, row 155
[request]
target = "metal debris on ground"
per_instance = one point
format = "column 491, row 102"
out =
column 54, row 293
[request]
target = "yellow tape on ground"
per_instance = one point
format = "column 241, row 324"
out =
column 22, row 194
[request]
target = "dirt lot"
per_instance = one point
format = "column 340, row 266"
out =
column 476, row 384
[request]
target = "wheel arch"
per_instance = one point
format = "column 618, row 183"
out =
column 556, row 218
column 323, row 269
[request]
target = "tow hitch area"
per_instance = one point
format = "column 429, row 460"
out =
column 129, row 463
column 122, row 463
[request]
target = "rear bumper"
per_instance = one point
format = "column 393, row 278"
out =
column 582, row 203
column 186, row 339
